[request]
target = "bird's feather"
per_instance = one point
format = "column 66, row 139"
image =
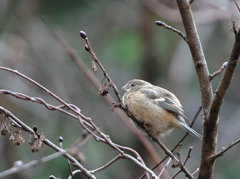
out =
column 162, row 100
column 169, row 105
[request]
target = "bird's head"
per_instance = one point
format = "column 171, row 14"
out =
column 134, row 85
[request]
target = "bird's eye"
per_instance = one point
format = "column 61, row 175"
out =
column 132, row 85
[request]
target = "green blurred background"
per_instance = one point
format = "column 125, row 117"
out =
column 125, row 38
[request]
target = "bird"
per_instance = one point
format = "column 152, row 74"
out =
column 157, row 111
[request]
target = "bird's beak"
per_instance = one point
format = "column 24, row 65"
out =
column 124, row 88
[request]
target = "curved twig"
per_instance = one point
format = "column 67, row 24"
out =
column 160, row 23
column 224, row 149
column 48, row 143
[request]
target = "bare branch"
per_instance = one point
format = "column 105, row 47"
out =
column 16, row 169
column 196, row 171
column 106, row 165
column 98, row 169
column 48, row 143
column 225, row 81
column 74, row 173
column 225, row 149
column 88, row 48
column 160, row 23
column 188, row 156
column 169, row 153
column 194, row 44
column 210, row 128
column 117, row 147
column 237, row 5
column 209, row 144
column 224, row 65
column 165, row 167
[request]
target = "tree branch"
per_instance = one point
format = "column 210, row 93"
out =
column 211, row 124
column 225, row 81
column 160, row 23
column 48, row 143
column 224, row 149
column 194, row 43
column 220, row 70
column 179, row 163
column 31, row 164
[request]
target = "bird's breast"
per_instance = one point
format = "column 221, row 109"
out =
column 145, row 110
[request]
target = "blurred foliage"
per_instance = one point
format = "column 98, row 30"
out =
column 125, row 42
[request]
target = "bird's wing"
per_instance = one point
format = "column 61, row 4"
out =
column 164, row 102
column 169, row 105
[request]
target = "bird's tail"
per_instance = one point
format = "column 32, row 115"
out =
column 191, row 131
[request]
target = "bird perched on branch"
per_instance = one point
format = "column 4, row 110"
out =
column 156, row 111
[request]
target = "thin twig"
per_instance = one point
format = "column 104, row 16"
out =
column 106, row 165
column 195, row 172
column 74, row 173
column 237, row 5
column 189, row 155
column 165, row 167
column 169, row 153
column 31, row 164
column 48, row 143
column 176, row 174
column 139, row 160
column 179, row 162
column 129, row 157
column 160, row 23
column 88, row 48
column 69, row 106
column 184, row 163
column 225, row 149
column 224, row 65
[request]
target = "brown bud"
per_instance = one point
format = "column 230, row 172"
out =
column 83, row 34
column 159, row 23
column 87, row 48
column 60, row 139
column 35, row 128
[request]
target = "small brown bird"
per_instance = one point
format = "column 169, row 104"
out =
column 156, row 108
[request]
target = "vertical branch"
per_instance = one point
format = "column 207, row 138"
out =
column 194, row 43
column 226, row 78
column 211, row 104
column 211, row 125
column 209, row 143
